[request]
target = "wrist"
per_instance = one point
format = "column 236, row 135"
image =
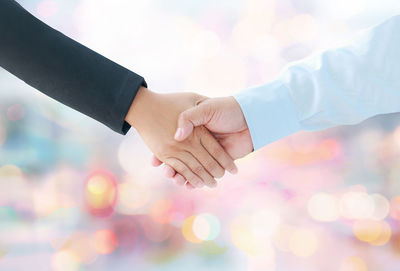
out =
column 141, row 106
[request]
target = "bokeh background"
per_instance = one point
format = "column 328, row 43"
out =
column 76, row 196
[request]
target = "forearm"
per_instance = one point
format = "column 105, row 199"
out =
column 338, row 87
column 64, row 69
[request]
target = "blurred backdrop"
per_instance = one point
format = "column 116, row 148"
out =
column 76, row 196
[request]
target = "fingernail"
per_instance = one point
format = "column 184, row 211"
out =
column 200, row 184
column 178, row 133
column 167, row 172
column 234, row 170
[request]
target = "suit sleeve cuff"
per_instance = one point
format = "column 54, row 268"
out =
column 127, row 95
column 269, row 112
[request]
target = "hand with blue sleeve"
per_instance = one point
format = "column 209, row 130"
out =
column 341, row 86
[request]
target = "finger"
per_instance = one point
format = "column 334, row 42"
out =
column 169, row 172
column 185, row 171
column 195, row 116
column 198, row 169
column 179, row 179
column 189, row 186
column 155, row 162
column 216, row 151
column 208, row 162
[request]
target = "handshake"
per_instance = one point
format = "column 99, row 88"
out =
column 197, row 138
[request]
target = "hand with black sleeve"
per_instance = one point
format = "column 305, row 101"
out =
column 105, row 91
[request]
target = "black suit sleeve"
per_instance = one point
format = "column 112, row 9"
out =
column 64, row 69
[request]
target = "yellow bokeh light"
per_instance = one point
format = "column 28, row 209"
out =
column 323, row 207
column 10, row 171
column 65, row 260
column 367, row 230
column 100, row 192
column 244, row 237
column 282, row 236
column 384, row 237
column 187, row 230
column 98, row 185
column 353, row 264
column 2, row 253
column 303, row 243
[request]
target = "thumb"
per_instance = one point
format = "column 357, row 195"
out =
column 195, row 116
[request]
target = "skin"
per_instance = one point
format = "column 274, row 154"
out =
column 224, row 118
column 198, row 158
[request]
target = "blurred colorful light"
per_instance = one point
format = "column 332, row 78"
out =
column 303, row 243
column 367, row 230
column 265, row 223
column 324, row 207
column 82, row 245
column 15, row 112
column 381, row 207
column 162, row 211
column 105, row 241
column 395, row 208
column 101, row 193
column 206, row 227
column 187, row 230
column 356, row 205
column 353, row 263
column 245, row 238
column 131, row 197
column 384, row 237
column 65, row 260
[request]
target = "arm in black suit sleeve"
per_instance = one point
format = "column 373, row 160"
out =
column 64, row 69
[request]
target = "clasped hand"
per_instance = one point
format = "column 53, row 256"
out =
column 192, row 154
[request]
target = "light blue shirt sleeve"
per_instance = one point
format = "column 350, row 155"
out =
column 337, row 87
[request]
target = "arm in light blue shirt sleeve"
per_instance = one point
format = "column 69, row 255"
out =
column 337, row 87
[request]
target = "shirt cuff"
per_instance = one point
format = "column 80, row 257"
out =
column 269, row 112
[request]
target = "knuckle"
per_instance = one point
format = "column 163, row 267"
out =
column 172, row 163
column 183, row 170
column 218, row 152
column 184, row 115
column 211, row 166
column 219, row 173
column 193, row 181
column 198, row 169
